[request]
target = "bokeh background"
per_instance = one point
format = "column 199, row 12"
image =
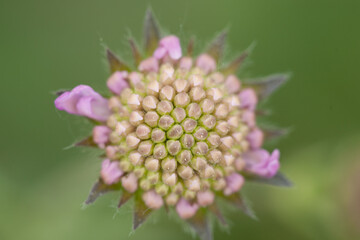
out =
column 46, row 45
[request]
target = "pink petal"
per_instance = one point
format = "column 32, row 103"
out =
column 94, row 108
column 234, row 182
column 261, row 163
column 205, row 198
column 206, row 63
column 186, row 63
column 101, row 135
column 169, row 45
column 68, row 100
column 110, row 171
column 255, row 138
column 248, row 99
column 117, row 82
column 248, row 117
column 149, row 65
column 130, row 182
column 152, row 199
column 84, row 101
column 185, row 209
column 232, row 84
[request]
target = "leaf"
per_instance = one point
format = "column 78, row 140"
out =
column 200, row 223
column 235, row 65
column 267, row 85
column 217, row 46
column 151, row 33
column 99, row 189
column 279, row 180
column 135, row 51
column 217, row 212
column 141, row 212
column 115, row 63
column 124, row 198
column 240, row 202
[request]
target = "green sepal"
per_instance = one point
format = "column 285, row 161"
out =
column 217, row 212
column 100, row 188
column 265, row 86
column 151, row 33
column 236, row 64
column 217, row 46
column 125, row 196
column 240, row 202
column 135, row 52
column 115, row 63
column 141, row 212
column 279, row 180
column 200, row 223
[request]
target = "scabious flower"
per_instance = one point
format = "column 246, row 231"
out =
column 178, row 130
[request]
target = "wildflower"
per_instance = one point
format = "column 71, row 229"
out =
column 177, row 130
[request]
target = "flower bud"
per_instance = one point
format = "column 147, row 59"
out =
column 196, row 80
column 185, row 172
column 168, row 164
column 136, row 118
column 160, row 151
column 172, row 199
column 166, row 122
column 207, row 105
column 215, row 94
column 164, row 107
column 153, row 177
column 198, row 163
column 184, row 157
column 150, row 103
column 193, row 110
column 175, row 132
column 197, row 94
column 181, row 85
column 151, row 118
column 134, row 101
column 200, row 148
column 132, row 141
column 189, row 125
column 157, row 135
column 173, row 147
column 169, row 179
column 143, row 131
column 221, row 111
column 181, row 99
column 178, row 114
column 145, row 148
column 187, row 141
column 167, row 93
column 152, row 164
column 193, row 184
column 162, row 189
column 136, row 158
column 153, row 88
column 200, row 134
column 222, row 128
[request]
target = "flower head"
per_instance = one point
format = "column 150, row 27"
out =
column 178, row 130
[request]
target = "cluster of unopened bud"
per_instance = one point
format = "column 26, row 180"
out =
column 177, row 131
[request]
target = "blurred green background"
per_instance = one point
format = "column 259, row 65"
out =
column 48, row 45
